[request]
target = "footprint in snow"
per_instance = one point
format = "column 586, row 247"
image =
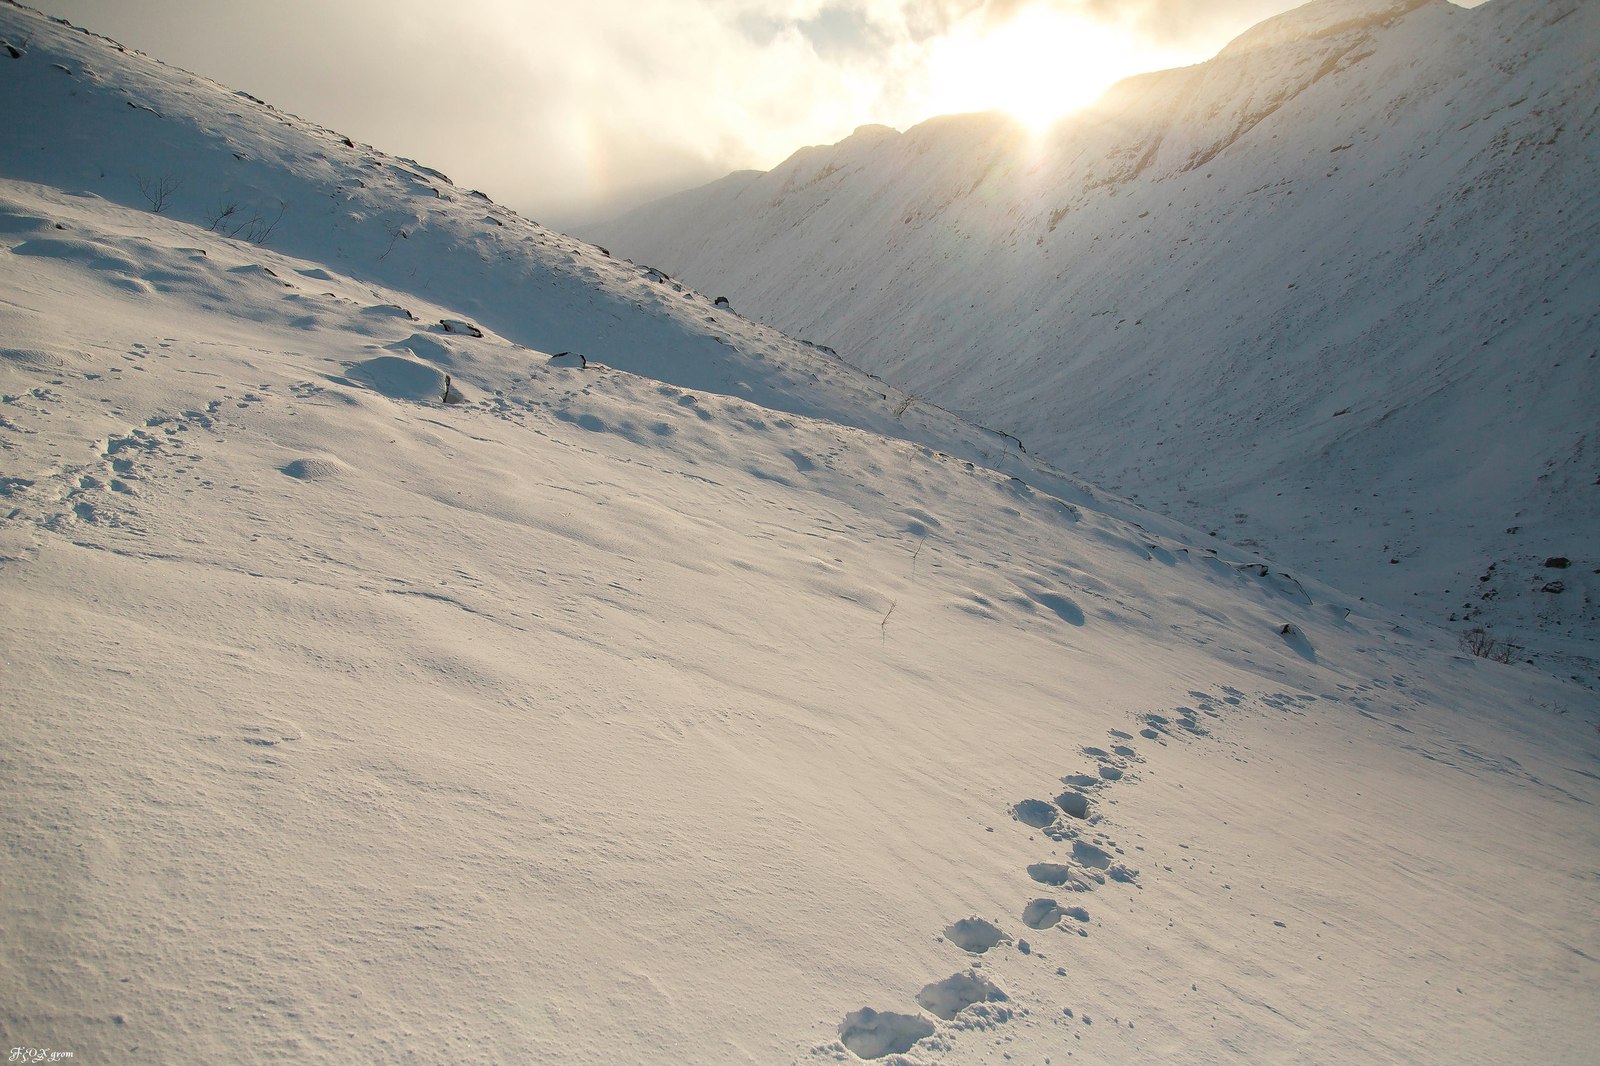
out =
column 1036, row 813
column 1055, row 874
column 956, row 993
column 871, row 1034
column 1090, row 855
column 1041, row 914
column 974, row 935
column 874, row 1034
column 1157, row 725
column 1075, row 804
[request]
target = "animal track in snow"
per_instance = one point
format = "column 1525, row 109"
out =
column 955, row 993
column 1088, row 859
column 1052, row 873
column 1157, row 725
column 1041, row 914
column 104, row 492
column 1037, row 813
column 874, row 1034
column 1074, row 803
column 1092, row 860
column 1090, row 855
column 975, row 935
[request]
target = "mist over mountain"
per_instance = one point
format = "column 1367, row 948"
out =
column 428, row 637
column 1329, row 294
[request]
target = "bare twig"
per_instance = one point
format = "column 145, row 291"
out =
column 260, row 228
column 157, row 190
column 395, row 234
column 1479, row 642
column 228, row 221
column 220, row 220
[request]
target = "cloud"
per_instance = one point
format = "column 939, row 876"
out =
column 1163, row 22
column 566, row 111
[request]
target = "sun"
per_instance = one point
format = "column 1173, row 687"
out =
column 1038, row 65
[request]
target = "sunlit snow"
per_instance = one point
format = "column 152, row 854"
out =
column 666, row 690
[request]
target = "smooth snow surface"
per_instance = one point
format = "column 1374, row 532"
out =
column 699, row 700
column 1331, row 295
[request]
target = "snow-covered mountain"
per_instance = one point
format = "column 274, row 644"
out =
column 1331, row 294
column 426, row 638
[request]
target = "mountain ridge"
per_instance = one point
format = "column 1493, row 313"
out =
column 1259, row 262
column 238, row 167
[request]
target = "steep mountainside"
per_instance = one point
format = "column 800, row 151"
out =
column 1330, row 294
column 152, row 137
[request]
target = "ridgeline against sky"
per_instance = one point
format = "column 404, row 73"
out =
column 1329, row 294
column 570, row 112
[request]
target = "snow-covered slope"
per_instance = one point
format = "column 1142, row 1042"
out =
column 124, row 128
column 1331, row 294
column 598, row 717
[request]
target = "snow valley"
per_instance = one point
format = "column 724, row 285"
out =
column 1329, row 295
column 427, row 637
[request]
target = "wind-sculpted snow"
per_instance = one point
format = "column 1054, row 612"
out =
column 588, row 716
column 1327, row 295
column 101, row 122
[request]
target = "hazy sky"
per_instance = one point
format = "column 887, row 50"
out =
column 567, row 110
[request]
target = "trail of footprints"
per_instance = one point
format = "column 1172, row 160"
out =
column 124, row 461
column 1085, row 860
column 104, row 491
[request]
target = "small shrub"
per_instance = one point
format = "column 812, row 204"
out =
column 1484, row 645
column 228, row 220
column 157, row 191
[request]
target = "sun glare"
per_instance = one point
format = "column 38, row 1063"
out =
column 1038, row 65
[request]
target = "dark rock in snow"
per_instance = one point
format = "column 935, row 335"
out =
column 456, row 325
